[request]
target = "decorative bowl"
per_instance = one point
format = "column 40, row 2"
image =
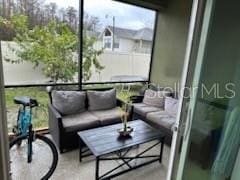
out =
column 126, row 133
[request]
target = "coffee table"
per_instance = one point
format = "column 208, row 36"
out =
column 105, row 141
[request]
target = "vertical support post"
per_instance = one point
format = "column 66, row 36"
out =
column 80, row 43
column 113, row 39
column 97, row 168
column 153, row 47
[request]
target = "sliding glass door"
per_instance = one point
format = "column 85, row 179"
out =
column 211, row 139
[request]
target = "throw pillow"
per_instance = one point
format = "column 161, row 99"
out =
column 155, row 98
column 69, row 102
column 100, row 100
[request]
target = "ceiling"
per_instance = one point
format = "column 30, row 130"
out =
column 150, row 4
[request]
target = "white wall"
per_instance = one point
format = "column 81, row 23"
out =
column 22, row 73
column 146, row 47
column 126, row 45
column 170, row 43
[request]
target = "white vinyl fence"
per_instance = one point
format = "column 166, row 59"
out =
column 115, row 64
column 122, row 64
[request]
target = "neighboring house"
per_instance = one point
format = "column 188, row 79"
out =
column 126, row 40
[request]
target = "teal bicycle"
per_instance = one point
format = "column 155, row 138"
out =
column 32, row 155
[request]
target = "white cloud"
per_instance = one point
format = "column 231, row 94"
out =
column 133, row 24
column 64, row 3
column 126, row 15
column 106, row 6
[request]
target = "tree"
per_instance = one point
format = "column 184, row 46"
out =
column 71, row 15
column 62, row 15
column 91, row 23
column 90, row 57
column 6, row 30
column 3, row 8
column 53, row 10
column 38, row 12
column 54, row 46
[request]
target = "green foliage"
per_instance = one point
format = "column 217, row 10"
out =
column 20, row 23
column 55, row 47
column 16, row 24
column 90, row 57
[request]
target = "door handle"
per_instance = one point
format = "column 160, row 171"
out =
column 175, row 127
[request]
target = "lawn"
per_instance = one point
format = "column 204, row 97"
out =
column 40, row 114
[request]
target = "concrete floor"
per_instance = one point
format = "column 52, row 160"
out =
column 69, row 167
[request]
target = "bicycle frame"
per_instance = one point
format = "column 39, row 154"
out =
column 25, row 128
column 24, row 120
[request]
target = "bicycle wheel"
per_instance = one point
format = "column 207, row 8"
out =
column 44, row 158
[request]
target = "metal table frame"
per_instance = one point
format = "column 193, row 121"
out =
column 122, row 155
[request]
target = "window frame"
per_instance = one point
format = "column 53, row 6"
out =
column 109, row 39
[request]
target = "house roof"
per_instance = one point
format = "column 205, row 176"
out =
column 124, row 33
column 144, row 34
column 141, row 34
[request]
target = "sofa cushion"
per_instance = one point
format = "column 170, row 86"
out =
column 109, row 116
column 162, row 118
column 101, row 100
column 81, row 121
column 171, row 105
column 155, row 98
column 69, row 102
column 142, row 109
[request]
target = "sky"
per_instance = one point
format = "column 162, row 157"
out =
column 126, row 16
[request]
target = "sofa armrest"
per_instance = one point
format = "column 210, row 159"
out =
column 55, row 124
column 136, row 99
column 53, row 112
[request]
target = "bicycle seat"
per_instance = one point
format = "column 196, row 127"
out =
column 25, row 101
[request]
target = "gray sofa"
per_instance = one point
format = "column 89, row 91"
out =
column 73, row 111
column 158, row 112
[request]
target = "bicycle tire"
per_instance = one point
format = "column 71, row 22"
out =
column 52, row 147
